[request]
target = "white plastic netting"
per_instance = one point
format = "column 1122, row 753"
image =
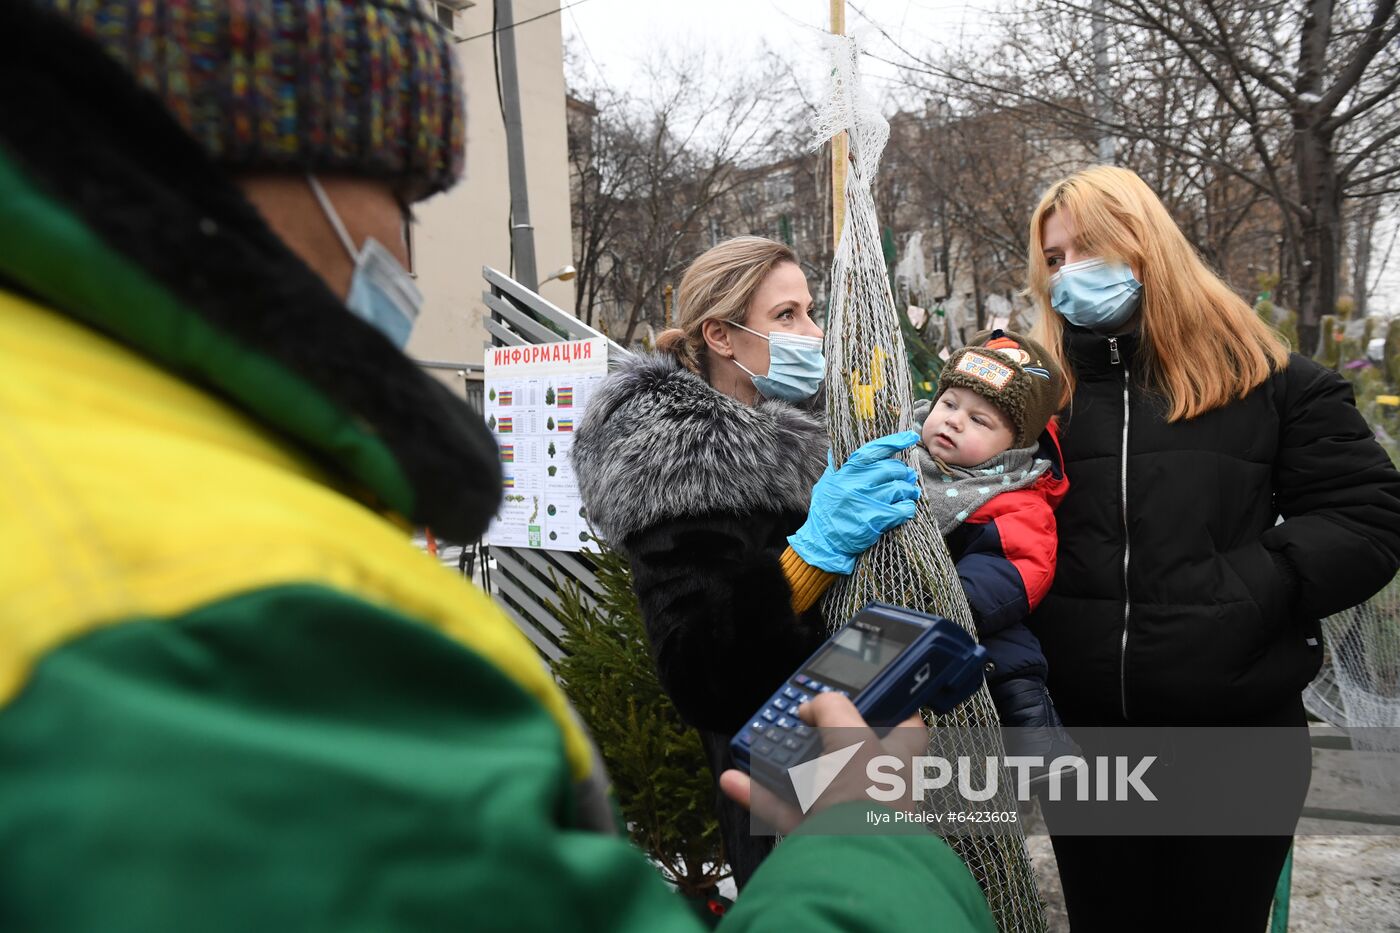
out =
column 1359, row 685
column 868, row 396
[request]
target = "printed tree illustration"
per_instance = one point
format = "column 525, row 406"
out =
column 549, row 396
column 492, row 395
column 551, row 448
column 552, row 510
column 491, row 422
column 549, row 424
column 553, row 470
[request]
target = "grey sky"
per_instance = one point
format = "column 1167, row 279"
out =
column 614, row 39
column 615, row 36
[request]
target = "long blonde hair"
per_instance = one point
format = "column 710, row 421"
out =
column 1202, row 345
column 718, row 286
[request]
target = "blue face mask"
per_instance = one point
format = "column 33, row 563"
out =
column 796, row 366
column 1096, row 293
column 381, row 291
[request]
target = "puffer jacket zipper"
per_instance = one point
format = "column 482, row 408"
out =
column 1117, row 360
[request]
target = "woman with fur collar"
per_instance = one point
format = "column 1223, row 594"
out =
column 699, row 463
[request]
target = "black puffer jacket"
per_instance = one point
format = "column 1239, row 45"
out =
column 700, row 492
column 1177, row 598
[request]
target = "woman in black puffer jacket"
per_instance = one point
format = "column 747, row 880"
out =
column 699, row 464
column 1178, row 599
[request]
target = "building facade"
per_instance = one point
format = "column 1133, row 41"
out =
column 468, row 227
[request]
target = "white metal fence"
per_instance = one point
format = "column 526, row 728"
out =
column 525, row 580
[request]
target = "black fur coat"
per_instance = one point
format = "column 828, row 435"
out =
column 700, row 492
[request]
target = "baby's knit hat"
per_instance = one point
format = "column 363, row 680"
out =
column 1014, row 373
column 363, row 87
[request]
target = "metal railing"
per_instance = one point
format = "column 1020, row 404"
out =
column 472, row 376
column 525, row 580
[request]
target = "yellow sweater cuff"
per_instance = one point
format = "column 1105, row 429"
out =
column 807, row 583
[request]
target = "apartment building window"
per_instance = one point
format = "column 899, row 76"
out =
column 779, row 188
column 445, row 11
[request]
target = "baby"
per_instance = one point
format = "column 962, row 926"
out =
column 990, row 456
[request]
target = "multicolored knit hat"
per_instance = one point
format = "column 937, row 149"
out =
column 1014, row 373
column 364, row 87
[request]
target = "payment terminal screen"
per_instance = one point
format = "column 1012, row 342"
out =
column 855, row 656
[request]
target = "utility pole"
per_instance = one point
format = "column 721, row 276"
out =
column 840, row 147
column 1104, row 110
column 522, row 234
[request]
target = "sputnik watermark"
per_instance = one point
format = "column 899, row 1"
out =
column 1099, row 781
column 1104, row 778
column 1114, row 778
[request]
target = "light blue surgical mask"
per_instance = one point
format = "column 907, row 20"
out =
column 381, row 291
column 796, row 366
column 1096, row 293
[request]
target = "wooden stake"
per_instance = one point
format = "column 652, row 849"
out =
column 840, row 151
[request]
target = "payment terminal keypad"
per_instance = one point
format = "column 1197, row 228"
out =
column 776, row 733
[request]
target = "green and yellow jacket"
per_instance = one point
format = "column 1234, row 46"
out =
column 233, row 696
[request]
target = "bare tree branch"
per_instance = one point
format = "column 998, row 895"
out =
column 1377, row 36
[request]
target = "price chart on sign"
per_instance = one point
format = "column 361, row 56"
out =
column 535, row 399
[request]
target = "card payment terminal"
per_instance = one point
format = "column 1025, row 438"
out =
column 890, row 661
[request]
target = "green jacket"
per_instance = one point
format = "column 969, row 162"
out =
column 233, row 696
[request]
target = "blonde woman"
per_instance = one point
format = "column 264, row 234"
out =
column 707, row 465
column 1189, row 430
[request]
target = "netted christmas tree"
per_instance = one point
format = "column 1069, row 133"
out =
column 868, row 396
column 1358, row 687
column 655, row 760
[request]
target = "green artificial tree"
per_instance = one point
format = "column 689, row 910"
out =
column 655, row 760
column 924, row 362
column 549, row 396
column 1329, row 347
column 1280, row 319
column 1391, row 353
column 549, row 423
column 551, row 449
column 492, row 395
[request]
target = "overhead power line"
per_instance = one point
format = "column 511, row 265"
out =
column 522, row 22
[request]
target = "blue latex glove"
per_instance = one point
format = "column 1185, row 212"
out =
column 851, row 507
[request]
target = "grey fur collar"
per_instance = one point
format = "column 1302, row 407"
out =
column 659, row 443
